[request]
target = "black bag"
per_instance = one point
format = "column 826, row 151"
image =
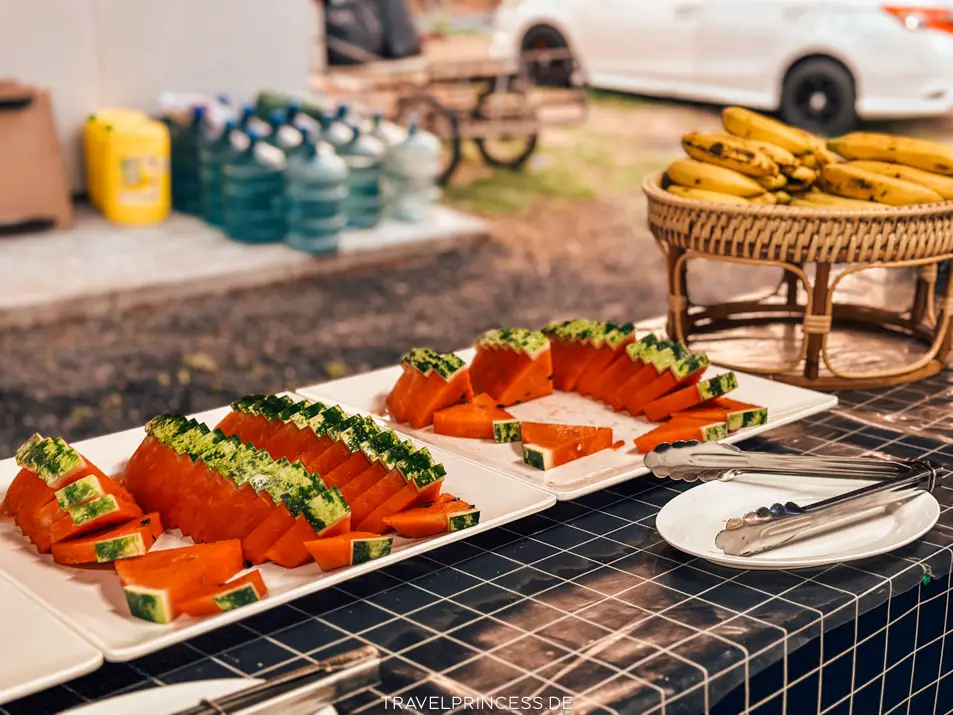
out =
column 400, row 33
column 356, row 26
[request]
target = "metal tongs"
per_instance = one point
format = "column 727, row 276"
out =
column 303, row 691
column 895, row 481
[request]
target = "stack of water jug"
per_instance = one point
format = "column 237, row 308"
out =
column 297, row 174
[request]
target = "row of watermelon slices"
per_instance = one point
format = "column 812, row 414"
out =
column 660, row 379
column 66, row 505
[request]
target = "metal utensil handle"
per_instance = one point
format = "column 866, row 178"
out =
column 256, row 694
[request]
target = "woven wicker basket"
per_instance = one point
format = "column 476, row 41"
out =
column 790, row 237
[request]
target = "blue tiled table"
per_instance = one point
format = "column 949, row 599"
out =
column 586, row 602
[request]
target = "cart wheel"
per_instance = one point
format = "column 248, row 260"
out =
column 505, row 104
column 439, row 121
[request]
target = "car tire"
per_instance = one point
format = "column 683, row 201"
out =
column 552, row 73
column 819, row 95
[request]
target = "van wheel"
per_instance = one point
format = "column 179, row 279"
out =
column 818, row 95
column 545, row 71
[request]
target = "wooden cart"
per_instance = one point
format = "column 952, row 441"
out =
column 499, row 105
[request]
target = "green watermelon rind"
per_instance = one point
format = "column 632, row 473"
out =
column 380, row 444
column 714, row 432
column 681, row 369
column 537, row 457
column 460, row 520
column 79, row 492
column 243, row 595
column 364, row 550
column 326, row 509
column 505, row 431
column 636, row 350
column 48, row 457
column 532, row 343
column 717, row 386
column 85, row 513
column 747, row 418
column 149, row 604
column 616, row 335
column 126, row 546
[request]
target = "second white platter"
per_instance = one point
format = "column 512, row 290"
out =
column 367, row 393
column 91, row 602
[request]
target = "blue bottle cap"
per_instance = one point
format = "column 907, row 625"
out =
column 343, row 109
column 277, row 117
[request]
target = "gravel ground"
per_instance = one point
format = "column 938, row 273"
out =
column 85, row 378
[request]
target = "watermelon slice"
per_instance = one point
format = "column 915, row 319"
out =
column 347, row 438
column 236, row 593
column 474, row 420
column 429, row 382
column 420, row 488
column 157, row 584
column 625, row 365
column 689, row 397
column 512, row 366
column 411, row 474
column 661, row 354
column 382, row 465
column 446, row 514
column 76, row 494
column 134, row 538
column 94, row 515
column 354, row 547
column 546, row 446
column 574, row 344
column 362, row 460
column 683, row 372
column 657, row 364
column 326, row 514
column 678, row 430
column 613, row 344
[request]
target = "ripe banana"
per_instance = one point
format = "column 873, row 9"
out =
column 801, row 178
column 919, row 153
column 772, row 183
column 785, row 160
column 820, row 155
column 703, row 195
column 819, row 198
column 783, row 197
column 751, row 125
column 943, row 185
column 809, row 161
column 699, row 175
column 849, row 181
column 728, row 153
column 765, row 198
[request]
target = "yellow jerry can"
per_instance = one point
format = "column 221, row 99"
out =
column 135, row 172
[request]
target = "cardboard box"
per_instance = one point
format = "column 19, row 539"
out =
column 34, row 190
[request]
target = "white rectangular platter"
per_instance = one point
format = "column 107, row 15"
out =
column 38, row 650
column 367, row 393
column 90, row 600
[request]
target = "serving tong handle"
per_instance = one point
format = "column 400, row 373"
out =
column 770, row 527
column 302, row 691
column 710, row 461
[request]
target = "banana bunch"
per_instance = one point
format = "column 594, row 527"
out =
column 759, row 160
column 756, row 159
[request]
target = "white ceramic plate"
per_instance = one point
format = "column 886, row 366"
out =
column 691, row 521
column 38, row 651
column 90, row 599
column 165, row 701
column 368, row 392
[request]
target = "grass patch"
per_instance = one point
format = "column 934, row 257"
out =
column 504, row 192
column 608, row 98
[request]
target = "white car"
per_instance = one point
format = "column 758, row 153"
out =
column 820, row 64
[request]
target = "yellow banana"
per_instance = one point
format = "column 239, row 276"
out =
column 783, row 197
column 698, row 175
column 918, row 153
column 854, row 183
column 703, row 195
column 765, row 198
column 820, row 198
column 750, row 125
column 801, row 178
column 785, row 160
column 809, row 161
column 772, row 183
column 728, row 153
column 943, row 185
